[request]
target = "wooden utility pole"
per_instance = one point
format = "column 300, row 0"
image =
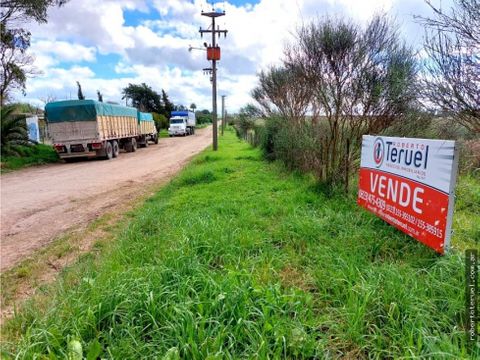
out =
column 223, row 114
column 214, row 57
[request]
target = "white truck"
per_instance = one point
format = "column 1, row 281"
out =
column 182, row 123
column 88, row 128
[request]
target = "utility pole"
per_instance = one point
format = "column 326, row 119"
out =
column 223, row 113
column 213, row 54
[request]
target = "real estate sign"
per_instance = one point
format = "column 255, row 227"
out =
column 410, row 184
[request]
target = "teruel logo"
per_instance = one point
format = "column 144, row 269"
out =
column 407, row 154
column 378, row 151
column 401, row 153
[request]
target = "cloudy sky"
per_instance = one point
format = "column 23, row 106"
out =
column 106, row 44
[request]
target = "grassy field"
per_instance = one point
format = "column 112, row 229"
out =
column 35, row 155
column 237, row 258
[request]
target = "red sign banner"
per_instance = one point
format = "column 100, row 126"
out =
column 409, row 183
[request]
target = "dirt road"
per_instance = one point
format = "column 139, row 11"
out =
column 39, row 204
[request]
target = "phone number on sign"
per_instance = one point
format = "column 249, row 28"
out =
column 382, row 205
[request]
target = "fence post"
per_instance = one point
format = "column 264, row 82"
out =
column 347, row 160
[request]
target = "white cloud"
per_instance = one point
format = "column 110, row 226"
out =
column 155, row 51
column 63, row 51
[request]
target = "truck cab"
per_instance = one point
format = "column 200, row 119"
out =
column 178, row 126
column 182, row 123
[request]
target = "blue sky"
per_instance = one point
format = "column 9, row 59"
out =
column 110, row 43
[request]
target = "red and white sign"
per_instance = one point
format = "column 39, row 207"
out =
column 410, row 184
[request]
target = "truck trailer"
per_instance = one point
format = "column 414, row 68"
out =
column 88, row 128
column 182, row 123
column 147, row 129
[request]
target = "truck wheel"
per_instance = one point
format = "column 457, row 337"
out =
column 155, row 139
column 134, row 144
column 116, row 149
column 108, row 150
column 145, row 144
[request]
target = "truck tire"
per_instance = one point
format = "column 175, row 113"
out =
column 108, row 150
column 155, row 139
column 145, row 144
column 131, row 145
column 116, row 148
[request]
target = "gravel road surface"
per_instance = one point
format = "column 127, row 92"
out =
column 41, row 203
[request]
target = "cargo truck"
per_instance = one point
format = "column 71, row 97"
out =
column 147, row 129
column 182, row 123
column 88, row 128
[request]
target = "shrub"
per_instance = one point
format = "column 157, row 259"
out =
column 14, row 132
column 337, row 82
column 203, row 118
column 161, row 121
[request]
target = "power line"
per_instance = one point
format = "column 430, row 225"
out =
column 213, row 54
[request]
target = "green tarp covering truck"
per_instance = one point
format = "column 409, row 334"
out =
column 88, row 128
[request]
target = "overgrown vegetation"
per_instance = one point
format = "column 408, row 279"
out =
column 339, row 81
column 38, row 154
column 16, row 149
column 452, row 69
column 351, row 80
column 14, row 132
column 238, row 258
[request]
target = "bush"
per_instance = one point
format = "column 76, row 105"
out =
column 161, row 121
column 350, row 80
column 14, row 132
column 267, row 134
column 203, row 118
column 30, row 155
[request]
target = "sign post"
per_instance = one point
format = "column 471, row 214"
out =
column 410, row 184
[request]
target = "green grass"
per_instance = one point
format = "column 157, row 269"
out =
column 237, row 258
column 163, row 133
column 35, row 155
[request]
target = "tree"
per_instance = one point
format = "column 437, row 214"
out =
column 203, row 118
column 452, row 70
column 180, row 107
column 14, row 42
column 80, row 93
column 22, row 10
column 353, row 80
column 278, row 86
column 100, row 96
column 143, row 97
column 167, row 104
column 193, row 106
column 48, row 98
column 245, row 120
column 16, row 65
column 161, row 121
column 14, row 132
